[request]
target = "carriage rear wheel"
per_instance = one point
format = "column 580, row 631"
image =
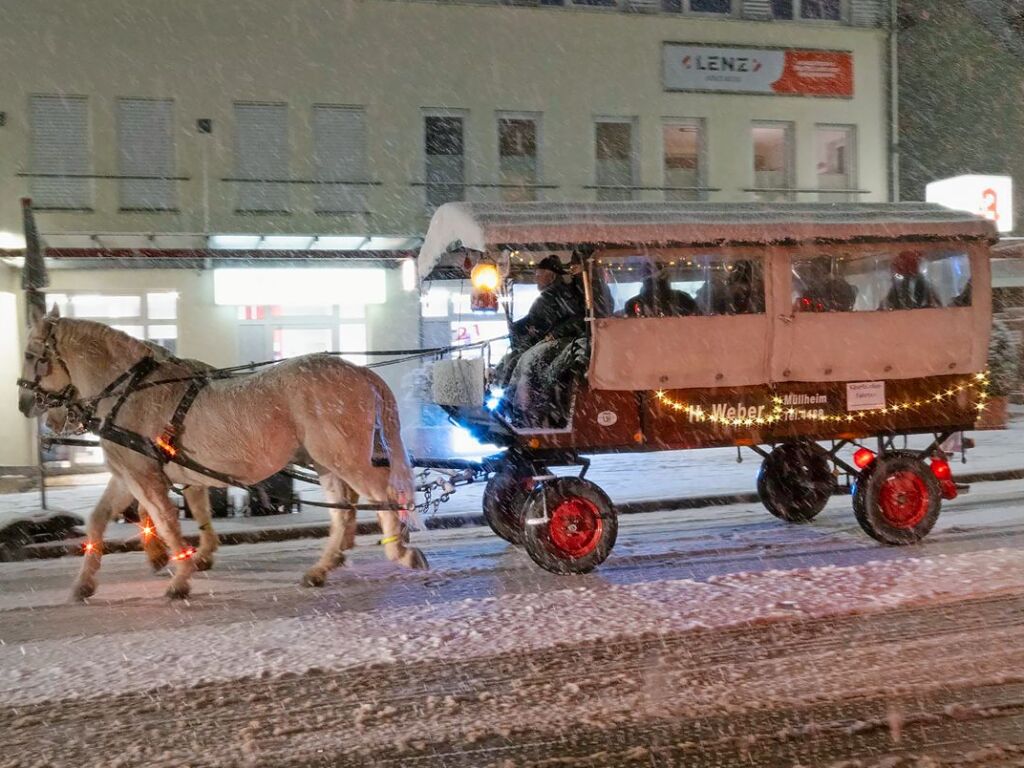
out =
column 795, row 481
column 897, row 499
column 570, row 525
column 504, row 497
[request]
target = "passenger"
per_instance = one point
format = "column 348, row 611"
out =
column 657, row 297
column 745, row 289
column 821, row 291
column 910, row 289
column 713, row 296
column 604, row 302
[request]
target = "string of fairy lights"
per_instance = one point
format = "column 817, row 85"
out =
column 779, row 411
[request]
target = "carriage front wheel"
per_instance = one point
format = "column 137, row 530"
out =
column 504, row 497
column 897, row 498
column 796, row 481
column 570, row 525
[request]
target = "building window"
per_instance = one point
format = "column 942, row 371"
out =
column 697, row 6
column 339, row 155
column 829, row 10
column 773, row 161
column 711, row 6
column 261, row 157
column 60, row 153
column 145, row 142
column 615, row 156
column 836, row 161
column 683, row 149
column 445, row 159
column 517, row 157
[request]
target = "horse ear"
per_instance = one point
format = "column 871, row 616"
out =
column 54, row 312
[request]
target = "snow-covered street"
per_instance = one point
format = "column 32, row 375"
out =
column 709, row 637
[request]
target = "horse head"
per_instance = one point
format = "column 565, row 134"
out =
column 45, row 378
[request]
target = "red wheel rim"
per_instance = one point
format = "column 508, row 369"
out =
column 575, row 527
column 903, row 499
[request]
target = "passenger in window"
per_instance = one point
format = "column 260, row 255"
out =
column 657, row 297
column 713, row 297
column 910, row 289
column 745, row 289
column 823, row 291
column 963, row 299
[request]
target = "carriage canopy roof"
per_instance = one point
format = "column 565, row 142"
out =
column 486, row 227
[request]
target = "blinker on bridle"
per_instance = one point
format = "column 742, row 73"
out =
column 44, row 398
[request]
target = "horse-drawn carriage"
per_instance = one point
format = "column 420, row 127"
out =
column 780, row 328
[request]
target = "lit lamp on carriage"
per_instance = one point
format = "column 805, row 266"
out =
column 485, row 279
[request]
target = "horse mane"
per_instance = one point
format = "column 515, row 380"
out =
column 91, row 338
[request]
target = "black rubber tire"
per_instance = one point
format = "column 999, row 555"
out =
column 867, row 498
column 504, row 497
column 795, row 481
column 537, row 537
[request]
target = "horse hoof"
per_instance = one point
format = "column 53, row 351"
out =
column 314, row 578
column 83, row 591
column 416, row 559
column 203, row 562
column 158, row 561
column 178, row 591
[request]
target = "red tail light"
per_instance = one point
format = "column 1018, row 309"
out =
column 941, row 470
column 862, row 457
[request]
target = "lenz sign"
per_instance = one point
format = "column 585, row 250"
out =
column 784, row 72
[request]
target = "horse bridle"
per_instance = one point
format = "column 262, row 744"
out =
column 44, row 398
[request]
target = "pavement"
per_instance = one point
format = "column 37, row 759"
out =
column 636, row 482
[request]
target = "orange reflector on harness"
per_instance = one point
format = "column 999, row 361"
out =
column 164, row 444
column 185, row 554
column 89, row 547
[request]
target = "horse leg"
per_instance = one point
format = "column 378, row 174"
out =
column 343, row 529
column 115, row 497
column 152, row 545
column 152, row 494
column 198, row 498
column 374, row 483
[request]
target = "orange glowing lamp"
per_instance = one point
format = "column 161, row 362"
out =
column 485, row 280
column 862, row 457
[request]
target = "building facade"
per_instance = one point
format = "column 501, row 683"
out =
column 181, row 155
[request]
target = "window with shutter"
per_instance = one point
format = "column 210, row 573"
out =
column 146, row 154
column 60, row 152
column 339, row 155
column 445, row 159
column 261, row 157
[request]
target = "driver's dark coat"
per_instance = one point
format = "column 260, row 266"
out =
column 557, row 311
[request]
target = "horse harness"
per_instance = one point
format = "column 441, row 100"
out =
column 165, row 448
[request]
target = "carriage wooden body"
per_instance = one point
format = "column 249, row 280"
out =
column 766, row 378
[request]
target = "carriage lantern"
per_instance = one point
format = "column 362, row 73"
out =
column 485, row 280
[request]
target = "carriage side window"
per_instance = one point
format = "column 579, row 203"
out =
column 679, row 286
column 891, row 279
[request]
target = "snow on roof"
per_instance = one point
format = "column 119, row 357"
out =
column 491, row 226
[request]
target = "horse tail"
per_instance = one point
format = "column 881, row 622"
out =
column 401, row 485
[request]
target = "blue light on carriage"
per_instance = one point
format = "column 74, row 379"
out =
column 495, row 398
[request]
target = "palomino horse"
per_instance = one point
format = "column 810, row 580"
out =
column 245, row 428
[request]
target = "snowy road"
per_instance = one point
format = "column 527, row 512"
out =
column 710, row 637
